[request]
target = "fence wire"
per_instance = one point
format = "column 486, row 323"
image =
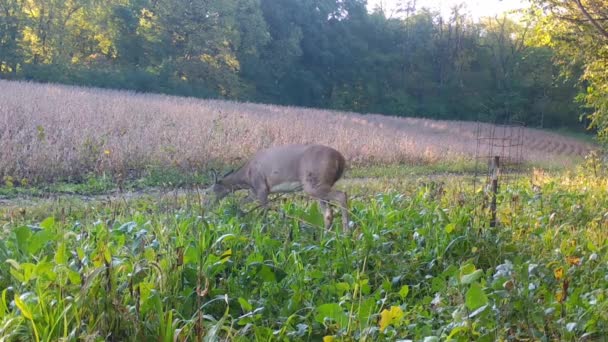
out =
column 505, row 141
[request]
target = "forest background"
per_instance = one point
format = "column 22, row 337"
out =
column 544, row 69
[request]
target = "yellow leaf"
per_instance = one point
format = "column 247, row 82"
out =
column 558, row 273
column 388, row 317
column 226, row 255
column 25, row 311
column 559, row 296
column 328, row 338
column 572, row 260
column 106, row 152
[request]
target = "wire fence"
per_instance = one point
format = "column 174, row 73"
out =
column 498, row 161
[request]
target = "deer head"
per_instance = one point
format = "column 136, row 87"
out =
column 219, row 186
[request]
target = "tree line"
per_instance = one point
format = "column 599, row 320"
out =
column 314, row 53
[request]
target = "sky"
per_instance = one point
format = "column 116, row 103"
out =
column 477, row 8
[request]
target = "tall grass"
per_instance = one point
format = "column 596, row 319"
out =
column 50, row 132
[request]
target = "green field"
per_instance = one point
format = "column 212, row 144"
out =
column 421, row 263
column 106, row 235
column 116, row 117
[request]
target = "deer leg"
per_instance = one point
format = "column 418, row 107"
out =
column 261, row 194
column 263, row 199
column 250, row 198
column 342, row 199
column 328, row 215
column 259, row 190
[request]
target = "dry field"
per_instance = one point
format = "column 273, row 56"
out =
column 49, row 132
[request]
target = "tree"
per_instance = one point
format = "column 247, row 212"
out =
column 11, row 20
column 313, row 53
column 578, row 31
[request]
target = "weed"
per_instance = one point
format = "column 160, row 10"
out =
column 422, row 263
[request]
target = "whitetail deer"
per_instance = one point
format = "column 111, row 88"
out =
column 290, row 168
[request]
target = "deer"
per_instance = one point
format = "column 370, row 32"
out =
column 311, row 168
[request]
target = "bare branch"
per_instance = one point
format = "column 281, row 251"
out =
column 591, row 19
column 579, row 20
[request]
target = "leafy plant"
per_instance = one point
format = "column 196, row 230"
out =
column 421, row 264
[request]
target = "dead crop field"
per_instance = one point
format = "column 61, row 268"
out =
column 52, row 132
column 419, row 262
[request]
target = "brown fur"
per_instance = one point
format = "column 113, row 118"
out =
column 313, row 169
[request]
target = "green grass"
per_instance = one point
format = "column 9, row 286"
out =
column 421, row 263
column 170, row 178
column 413, row 170
column 102, row 184
column 155, row 177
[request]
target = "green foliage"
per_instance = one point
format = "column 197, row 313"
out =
column 168, row 269
column 578, row 32
column 327, row 54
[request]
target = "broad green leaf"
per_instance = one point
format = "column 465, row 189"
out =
column 26, row 272
column 148, row 303
column 475, row 297
column 127, row 227
column 60, row 254
column 267, row 274
column 341, row 288
column 80, row 252
column 364, row 286
column 192, row 255
column 458, row 330
column 18, row 274
column 48, row 223
column 467, row 269
column 471, row 277
column 404, row 291
column 367, row 308
column 450, row 227
column 45, row 269
column 314, row 216
column 39, row 240
column 74, row 277
column 107, row 255
column 316, row 274
column 245, row 304
column 438, row 284
column 332, row 311
column 22, row 235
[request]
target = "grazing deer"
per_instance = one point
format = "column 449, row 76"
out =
column 290, row 168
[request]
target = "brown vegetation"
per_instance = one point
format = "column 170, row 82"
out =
column 49, row 132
